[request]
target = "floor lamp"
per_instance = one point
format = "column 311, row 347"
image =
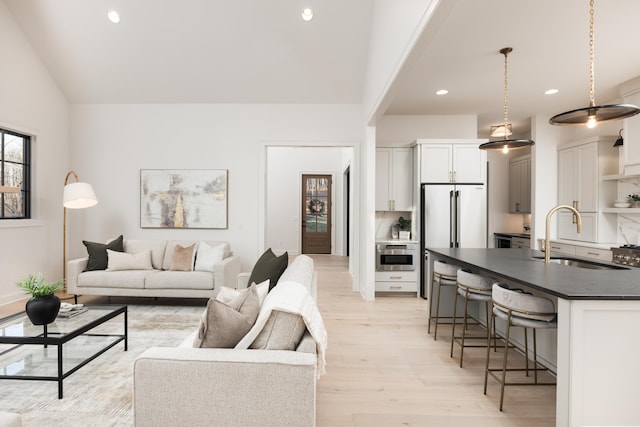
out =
column 77, row 195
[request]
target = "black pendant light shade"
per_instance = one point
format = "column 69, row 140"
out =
column 511, row 144
column 599, row 114
column 505, row 145
column 593, row 114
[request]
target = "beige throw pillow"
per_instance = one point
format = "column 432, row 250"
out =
column 226, row 294
column 224, row 325
column 283, row 331
column 125, row 261
column 182, row 259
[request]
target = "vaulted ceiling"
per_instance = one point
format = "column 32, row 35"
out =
column 214, row 51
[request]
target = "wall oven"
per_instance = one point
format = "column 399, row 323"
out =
column 502, row 241
column 396, row 256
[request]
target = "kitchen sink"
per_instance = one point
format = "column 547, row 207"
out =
column 581, row 263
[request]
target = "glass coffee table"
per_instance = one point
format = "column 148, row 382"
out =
column 54, row 352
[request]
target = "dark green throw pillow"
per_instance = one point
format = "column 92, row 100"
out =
column 98, row 259
column 269, row 266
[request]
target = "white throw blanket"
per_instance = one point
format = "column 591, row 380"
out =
column 292, row 297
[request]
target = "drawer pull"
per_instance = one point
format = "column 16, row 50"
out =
column 395, row 287
column 555, row 247
column 395, row 277
column 593, row 253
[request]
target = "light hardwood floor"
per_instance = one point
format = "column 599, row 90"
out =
column 383, row 369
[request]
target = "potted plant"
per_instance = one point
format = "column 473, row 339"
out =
column 404, row 225
column 44, row 305
column 634, row 199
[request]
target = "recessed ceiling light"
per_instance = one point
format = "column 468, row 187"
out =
column 307, row 14
column 113, row 16
column 551, row 91
column 442, row 92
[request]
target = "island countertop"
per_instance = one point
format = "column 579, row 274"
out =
column 571, row 283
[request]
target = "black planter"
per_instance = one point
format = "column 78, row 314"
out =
column 43, row 310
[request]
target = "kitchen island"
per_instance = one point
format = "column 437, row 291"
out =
column 598, row 341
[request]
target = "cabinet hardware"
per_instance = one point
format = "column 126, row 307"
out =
column 395, row 277
column 395, row 287
column 593, row 253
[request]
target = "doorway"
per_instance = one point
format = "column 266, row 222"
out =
column 316, row 214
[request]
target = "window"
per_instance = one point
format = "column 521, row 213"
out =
column 15, row 158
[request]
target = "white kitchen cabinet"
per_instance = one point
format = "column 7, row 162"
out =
column 520, row 184
column 581, row 167
column 394, row 179
column 451, row 162
column 396, row 281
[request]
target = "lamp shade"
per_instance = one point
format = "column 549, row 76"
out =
column 79, row 195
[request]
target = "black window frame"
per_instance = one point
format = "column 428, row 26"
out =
column 25, row 189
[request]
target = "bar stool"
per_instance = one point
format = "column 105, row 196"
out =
column 444, row 275
column 519, row 308
column 472, row 287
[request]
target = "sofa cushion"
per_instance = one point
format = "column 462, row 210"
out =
column 182, row 259
column 300, row 270
column 283, row 331
column 269, row 266
column 208, row 256
column 97, row 252
column 170, row 249
column 133, row 279
column 156, row 247
column 223, row 326
column 179, row 280
column 125, row 261
column 227, row 294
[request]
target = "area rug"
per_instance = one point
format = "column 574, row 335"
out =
column 101, row 393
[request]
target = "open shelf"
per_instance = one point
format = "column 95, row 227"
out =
column 621, row 210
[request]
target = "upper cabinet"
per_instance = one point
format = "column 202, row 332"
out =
column 394, row 179
column 581, row 167
column 520, row 184
column 455, row 162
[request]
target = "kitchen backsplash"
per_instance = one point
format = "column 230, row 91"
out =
column 384, row 221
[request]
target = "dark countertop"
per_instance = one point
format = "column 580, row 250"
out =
column 524, row 235
column 559, row 280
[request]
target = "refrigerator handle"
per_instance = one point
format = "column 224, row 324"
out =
column 457, row 214
column 451, row 219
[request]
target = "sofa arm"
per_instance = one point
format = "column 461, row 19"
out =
column 74, row 268
column 228, row 387
column 242, row 280
column 225, row 272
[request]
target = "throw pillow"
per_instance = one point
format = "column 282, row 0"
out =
column 269, row 266
column 98, row 253
column 224, row 325
column 283, row 331
column 208, row 256
column 125, row 261
column 226, row 294
column 182, row 259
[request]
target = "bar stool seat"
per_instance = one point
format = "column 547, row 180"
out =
column 519, row 308
column 443, row 274
column 471, row 287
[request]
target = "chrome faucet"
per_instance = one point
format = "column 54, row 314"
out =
column 547, row 251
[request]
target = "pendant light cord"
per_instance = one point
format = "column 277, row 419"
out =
column 592, row 101
column 506, row 108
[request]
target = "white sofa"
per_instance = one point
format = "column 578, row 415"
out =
column 233, row 387
column 159, row 281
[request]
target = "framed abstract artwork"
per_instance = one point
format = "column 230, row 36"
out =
column 183, row 198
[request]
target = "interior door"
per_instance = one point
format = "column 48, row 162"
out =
column 316, row 214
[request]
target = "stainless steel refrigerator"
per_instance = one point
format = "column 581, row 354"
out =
column 452, row 216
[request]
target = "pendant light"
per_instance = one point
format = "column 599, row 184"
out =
column 506, row 144
column 594, row 114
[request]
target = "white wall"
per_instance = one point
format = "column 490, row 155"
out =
column 111, row 143
column 403, row 130
column 285, row 166
column 31, row 103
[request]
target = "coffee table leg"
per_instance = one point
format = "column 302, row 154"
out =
column 59, row 371
column 45, row 336
column 126, row 329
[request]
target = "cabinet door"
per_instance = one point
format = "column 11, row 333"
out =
column 402, row 179
column 383, row 179
column 568, row 230
column 567, row 176
column 515, row 187
column 587, row 178
column 468, row 163
column 435, row 163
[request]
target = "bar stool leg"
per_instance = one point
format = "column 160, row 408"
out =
column 535, row 358
column 491, row 322
column 526, row 351
column 453, row 325
column 464, row 325
column 504, row 361
column 437, row 318
column 433, row 281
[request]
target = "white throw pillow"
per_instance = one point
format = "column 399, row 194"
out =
column 208, row 256
column 125, row 261
column 226, row 294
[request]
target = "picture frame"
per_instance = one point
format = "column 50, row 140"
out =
column 184, row 198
